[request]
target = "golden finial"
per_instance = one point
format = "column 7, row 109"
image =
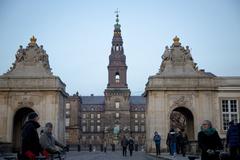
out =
column 176, row 41
column 33, row 40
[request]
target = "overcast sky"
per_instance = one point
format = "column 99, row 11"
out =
column 77, row 36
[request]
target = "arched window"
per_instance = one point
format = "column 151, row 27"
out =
column 117, row 77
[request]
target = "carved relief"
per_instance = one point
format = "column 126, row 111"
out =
column 178, row 101
column 25, row 103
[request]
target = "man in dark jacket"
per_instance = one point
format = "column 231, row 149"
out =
column 171, row 141
column 124, row 144
column 233, row 139
column 131, row 145
column 30, row 140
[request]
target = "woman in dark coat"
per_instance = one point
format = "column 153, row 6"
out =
column 209, row 141
column 30, row 140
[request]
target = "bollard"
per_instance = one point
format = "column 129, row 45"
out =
column 79, row 148
column 68, row 148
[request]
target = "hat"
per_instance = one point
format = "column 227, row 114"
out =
column 32, row 115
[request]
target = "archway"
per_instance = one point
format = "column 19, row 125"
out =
column 18, row 121
column 182, row 118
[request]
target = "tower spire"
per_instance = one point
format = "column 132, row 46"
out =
column 117, row 26
column 117, row 68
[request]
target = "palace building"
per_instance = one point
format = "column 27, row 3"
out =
column 91, row 119
column 179, row 96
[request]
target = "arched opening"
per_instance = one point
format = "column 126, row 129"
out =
column 182, row 118
column 117, row 77
column 18, row 121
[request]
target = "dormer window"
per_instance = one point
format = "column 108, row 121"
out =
column 117, row 77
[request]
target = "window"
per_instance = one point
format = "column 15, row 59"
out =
column 117, row 77
column 83, row 115
column 142, row 115
column 67, row 105
column 84, row 128
column 67, row 122
column 66, row 135
column 67, row 113
column 229, row 112
column 136, row 121
column 98, row 115
column 117, row 104
column 92, row 128
column 142, row 128
column 136, row 128
column 117, row 115
column 136, row 115
column 98, row 121
column 92, row 116
column 98, row 128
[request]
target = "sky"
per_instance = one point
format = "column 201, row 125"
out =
column 77, row 35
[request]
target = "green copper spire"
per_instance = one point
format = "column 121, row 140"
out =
column 117, row 26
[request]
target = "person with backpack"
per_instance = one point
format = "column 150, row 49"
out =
column 124, row 144
column 157, row 140
column 130, row 145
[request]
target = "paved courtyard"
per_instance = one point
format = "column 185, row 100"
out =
column 106, row 156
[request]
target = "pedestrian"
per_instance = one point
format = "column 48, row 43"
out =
column 48, row 142
column 90, row 147
column 183, row 141
column 105, row 145
column 233, row 139
column 178, row 139
column 157, row 140
column 209, row 141
column 124, row 144
column 171, row 141
column 30, row 140
column 131, row 145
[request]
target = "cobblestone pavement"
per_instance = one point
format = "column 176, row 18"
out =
column 107, row 156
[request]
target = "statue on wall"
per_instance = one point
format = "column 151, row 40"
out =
column 167, row 54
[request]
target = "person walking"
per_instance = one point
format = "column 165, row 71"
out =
column 171, row 141
column 48, row 142
column 233, row 139
column 124, row 144
column 105, row 145
column 183, row 141
column 157, row 140
column 131, row 145
column 209, row 141
column 30, row 140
